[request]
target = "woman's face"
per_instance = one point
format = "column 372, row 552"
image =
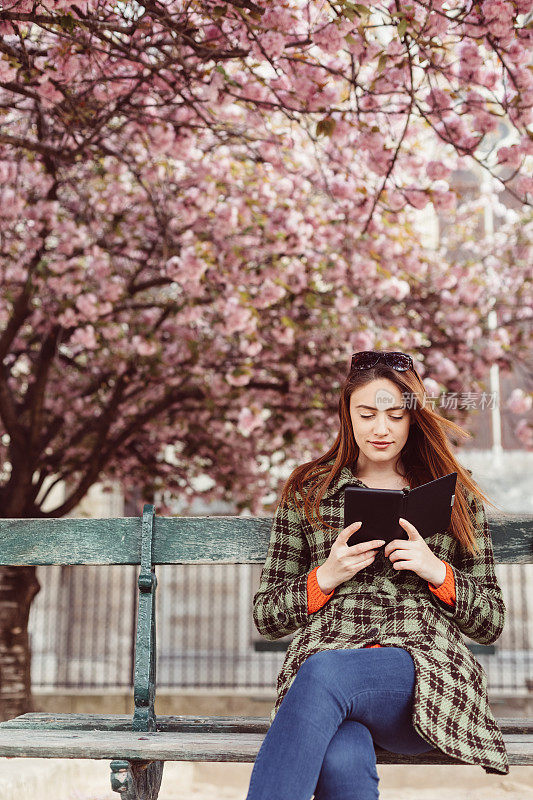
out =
column 378, row 415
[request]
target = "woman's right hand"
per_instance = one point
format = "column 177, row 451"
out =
column 344, row 562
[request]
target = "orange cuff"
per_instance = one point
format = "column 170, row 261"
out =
column 446, row 591
column 315, row 596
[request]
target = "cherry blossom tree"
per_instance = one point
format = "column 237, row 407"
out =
column 205, row 208
column 97, row 78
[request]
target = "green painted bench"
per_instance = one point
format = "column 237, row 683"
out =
column 138, row 746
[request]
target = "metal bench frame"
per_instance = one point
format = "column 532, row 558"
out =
column 139, row 746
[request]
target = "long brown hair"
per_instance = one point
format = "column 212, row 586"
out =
column 425, row 456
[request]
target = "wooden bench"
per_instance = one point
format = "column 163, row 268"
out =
column 138, row 746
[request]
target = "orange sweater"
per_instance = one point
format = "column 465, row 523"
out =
column 316, row 597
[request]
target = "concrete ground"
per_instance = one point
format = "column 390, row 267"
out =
column 72, row 779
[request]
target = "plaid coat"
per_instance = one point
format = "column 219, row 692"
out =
column 397, row 609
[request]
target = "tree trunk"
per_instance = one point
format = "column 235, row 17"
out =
column 18, row 587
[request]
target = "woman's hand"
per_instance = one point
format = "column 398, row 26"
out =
column 415, row 555
column 344, row 562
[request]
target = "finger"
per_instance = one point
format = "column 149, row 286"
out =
column 393, row 546
column 408, row 527
column 395, row 543
column 403, row 565
column 362, row 561
column 362, row 547
column 398, row 555
column 350, row 529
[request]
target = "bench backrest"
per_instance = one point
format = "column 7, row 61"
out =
column 149, row 541
column 188, row 540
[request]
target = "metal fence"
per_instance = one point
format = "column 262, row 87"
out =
column 82, row 626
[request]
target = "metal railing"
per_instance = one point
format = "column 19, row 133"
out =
column 82, row 626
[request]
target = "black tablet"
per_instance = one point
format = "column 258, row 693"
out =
column 428, row 507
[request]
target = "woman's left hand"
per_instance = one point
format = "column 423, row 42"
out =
column 415, row 555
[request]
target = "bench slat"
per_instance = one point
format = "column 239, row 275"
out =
column 188, row 540
column 172, row 746
column 184, row 723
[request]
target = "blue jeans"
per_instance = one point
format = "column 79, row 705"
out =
column 322, row 738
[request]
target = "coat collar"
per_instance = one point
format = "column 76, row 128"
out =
column 345, row 477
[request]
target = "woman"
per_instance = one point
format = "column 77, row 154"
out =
column 420, row 688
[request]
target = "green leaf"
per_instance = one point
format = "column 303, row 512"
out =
column 288, row 322
column 402, row 27
column 349, row 13
column 228, row 78
column 67, row 22
column 351, row 10
column 325, row 126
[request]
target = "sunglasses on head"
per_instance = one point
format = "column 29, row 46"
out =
column 369, row 358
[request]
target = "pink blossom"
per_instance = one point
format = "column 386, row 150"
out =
column 342, row 187
column 395, row 288
column 437, row 170
column 236, row 318
column 416, row 197
column 432, row 388
column 248, row 421
column 143, row 347
column 345, row 303
column 329, row 38
column 492, row 350
column 524, row 432
column 269, row 294
column 273, row 43
column 185, row 267
column 444, row 201
column 362, row 341
column 85, row 338
column 48, row 91
column 444, row 368
column 395, row 200
column 510, row 156
column 68, row 318
column 113, row 290
column 212, row 32
column 87, row 304
column 278, row 17
column 236, row 379
column 519, row 402
column 524, row 184
column 284, row 335
column 251, row 348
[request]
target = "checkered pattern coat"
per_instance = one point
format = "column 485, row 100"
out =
column 397, row 609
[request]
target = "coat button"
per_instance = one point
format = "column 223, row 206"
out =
column 282, row 616
column 374, row 631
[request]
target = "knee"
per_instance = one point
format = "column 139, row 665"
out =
column 349, row 764
column 312, row 682
column 351, row 746
column 318, row 667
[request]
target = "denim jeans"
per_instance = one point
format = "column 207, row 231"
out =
column 322, row 738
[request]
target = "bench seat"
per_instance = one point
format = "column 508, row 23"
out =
column 189, row 738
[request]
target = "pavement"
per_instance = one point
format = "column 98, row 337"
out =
column 73, row 779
